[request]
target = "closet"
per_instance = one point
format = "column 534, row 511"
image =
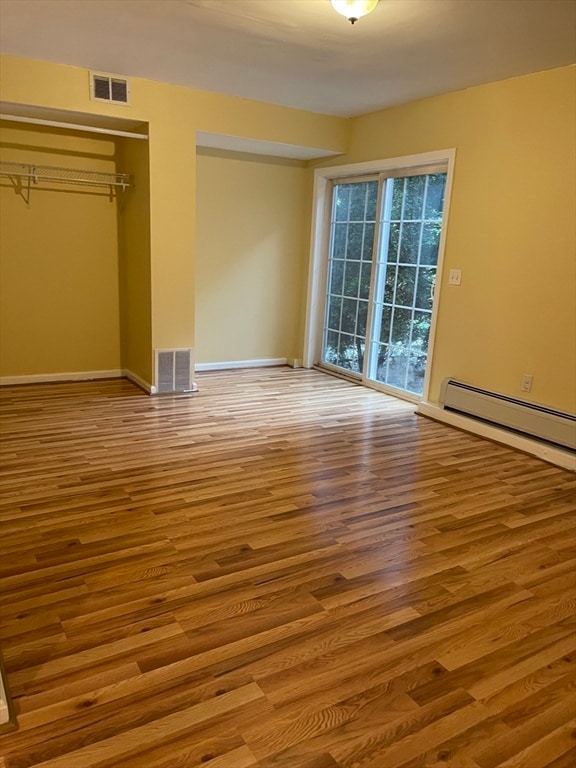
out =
column 75, row 251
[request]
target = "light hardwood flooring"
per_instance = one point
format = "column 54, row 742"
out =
column 284, row 570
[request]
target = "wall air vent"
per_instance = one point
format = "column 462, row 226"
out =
column 174, row 371
column 108, row 88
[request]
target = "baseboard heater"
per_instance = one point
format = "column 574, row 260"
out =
column 519, row 416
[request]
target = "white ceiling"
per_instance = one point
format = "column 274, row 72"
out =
column 299, row 53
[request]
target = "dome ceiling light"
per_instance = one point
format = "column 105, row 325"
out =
column 353, row 9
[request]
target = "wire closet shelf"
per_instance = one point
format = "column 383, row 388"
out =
column 49, row 173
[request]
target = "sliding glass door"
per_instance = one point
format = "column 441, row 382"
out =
column 383, row 254
column 353, row 224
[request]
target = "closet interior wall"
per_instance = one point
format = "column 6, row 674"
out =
column 65, row 258
column 134, row 263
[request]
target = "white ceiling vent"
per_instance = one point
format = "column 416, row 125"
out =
column 109, row 88
column 174, row 370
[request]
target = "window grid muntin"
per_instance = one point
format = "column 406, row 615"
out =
column 346, row 339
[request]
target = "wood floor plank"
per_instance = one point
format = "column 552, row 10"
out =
column 282, row 570
column 115, row 749
column 511, row 745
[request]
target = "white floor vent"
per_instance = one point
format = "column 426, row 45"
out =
column 530, row 419
column 174, row 370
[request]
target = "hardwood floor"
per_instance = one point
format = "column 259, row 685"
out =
column 283, row 570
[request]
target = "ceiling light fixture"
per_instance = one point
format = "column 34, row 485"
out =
column 354, row 9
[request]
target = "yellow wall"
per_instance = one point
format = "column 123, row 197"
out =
column 58, row 86
column 134, row 261
column 59, row 308
column 251, row 244
column 511, row 229
column 174, row 115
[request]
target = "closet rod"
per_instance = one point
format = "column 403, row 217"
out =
column 72, row 126
column 37, row 173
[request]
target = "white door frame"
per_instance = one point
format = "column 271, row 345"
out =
column 323, row 178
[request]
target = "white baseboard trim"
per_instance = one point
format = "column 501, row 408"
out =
column 46, row 378
column 135, row 379
column 230, row 365
column 549, row 453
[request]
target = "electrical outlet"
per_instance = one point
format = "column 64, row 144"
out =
column 526, row 382
column 455, row 277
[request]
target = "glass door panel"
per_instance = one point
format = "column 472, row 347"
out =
column 410, row 224
column 352, row 229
